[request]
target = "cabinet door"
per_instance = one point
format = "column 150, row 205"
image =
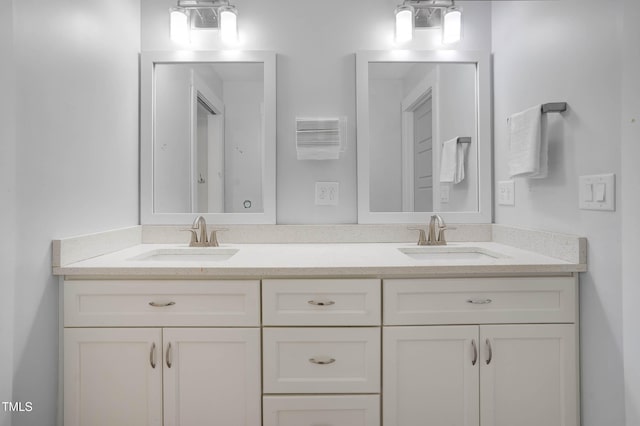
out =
column 430, row 376
column 212, row 377
column 112, row 377
column 529, row 375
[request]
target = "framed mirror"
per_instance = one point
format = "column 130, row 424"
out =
column 208, row 126
column 424, row 136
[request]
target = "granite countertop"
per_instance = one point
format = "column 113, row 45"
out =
column 384, row 260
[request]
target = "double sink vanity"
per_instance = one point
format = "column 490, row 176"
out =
column 318, row 325
column 348, row 325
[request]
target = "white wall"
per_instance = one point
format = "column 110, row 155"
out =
column 570, row 51
column 385, row 122
column 76, row 161
column 172, row 159
column 7, row 205
column 631, row 207
column 315, row 42
column 243, row 126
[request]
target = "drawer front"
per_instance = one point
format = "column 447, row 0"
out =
column 345, row 410
column 135, row 303
column 321, row 360
column 321, row 302
column 479, row 300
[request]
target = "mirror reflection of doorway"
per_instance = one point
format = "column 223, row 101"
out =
column 209, row 153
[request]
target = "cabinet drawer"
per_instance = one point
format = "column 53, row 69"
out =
column 321, row 360
column 135, row 303
column 346, row 410
column 479, row 300
column 321, row 302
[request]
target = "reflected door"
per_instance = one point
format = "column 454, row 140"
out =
column 423, row 156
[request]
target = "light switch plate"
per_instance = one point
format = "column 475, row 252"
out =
column 598, row 192
column 327, row 193
column 506, row 193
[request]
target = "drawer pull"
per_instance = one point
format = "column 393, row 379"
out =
column 161, row 305
column 321, row 302
column 322, row 360
column 169, row 355
column 152, row 356
column 475, row 352
column 490, row 356
column 479, row 301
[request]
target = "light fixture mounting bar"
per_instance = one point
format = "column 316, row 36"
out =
column 429, row 13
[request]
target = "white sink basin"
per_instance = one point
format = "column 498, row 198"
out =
column 445, row 253
column 187, row 254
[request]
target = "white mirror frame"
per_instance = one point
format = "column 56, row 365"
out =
column 483, row 113
column 147, row 113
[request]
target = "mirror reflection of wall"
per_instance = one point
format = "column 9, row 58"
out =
column 208, row 137
column 414, row 107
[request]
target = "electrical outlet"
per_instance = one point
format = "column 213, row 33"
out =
column 327, row 193
column 444, row 193
column 506, row 193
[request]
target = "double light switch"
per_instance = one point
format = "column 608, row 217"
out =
column 597, row 192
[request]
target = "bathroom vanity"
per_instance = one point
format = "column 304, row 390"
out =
column 337, row 330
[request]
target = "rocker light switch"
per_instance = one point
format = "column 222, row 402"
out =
column 597, row 192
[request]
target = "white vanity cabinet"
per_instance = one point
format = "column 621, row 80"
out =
column 197, row 362
column 489, row 351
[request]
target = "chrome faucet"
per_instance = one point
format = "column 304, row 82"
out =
column 200, row 224
column 436, row 231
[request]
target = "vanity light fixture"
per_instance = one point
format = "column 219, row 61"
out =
column 193, row 15
column 418, row 14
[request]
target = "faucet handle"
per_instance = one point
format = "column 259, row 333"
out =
column 440, row 235
column 213, row 240
column 422, row 238
column 194, row 237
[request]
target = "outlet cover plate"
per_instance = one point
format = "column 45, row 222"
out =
column 327, row 193
column 506, row 193
column 598, row 192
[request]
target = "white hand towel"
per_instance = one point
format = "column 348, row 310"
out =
column 461, row 152
column 452, row 161
column 449, row 161
column 528, row 148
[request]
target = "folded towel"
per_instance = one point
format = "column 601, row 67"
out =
column 452, row 161
column 528, row 147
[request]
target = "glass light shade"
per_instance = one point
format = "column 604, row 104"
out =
column 452, row 25
column 179, row 25
column 229, row 24
column 404, row 23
